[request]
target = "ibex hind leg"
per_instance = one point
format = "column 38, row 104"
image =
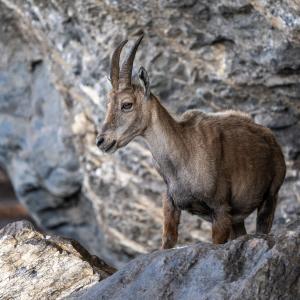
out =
column 265, row 214
column 238, row 229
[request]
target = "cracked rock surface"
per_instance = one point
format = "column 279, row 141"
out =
column 37, row 266
column 251, row 267
column 211, row 55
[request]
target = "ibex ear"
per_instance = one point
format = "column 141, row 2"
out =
column 144, row 78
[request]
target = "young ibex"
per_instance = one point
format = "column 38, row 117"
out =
column 220, row 166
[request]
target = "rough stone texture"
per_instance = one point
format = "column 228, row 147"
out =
column 37, row 266
column 251, row 267
column 210, row 55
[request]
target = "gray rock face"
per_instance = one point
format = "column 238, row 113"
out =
column 54, row 62
column 37, row 266
column 251, row 267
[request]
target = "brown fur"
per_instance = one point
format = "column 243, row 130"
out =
column 220, row 166
column 172, row 220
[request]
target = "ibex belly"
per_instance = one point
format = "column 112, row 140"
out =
column 194, row 202
column 197, row 203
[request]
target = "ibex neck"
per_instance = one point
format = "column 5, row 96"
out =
column 163, row 135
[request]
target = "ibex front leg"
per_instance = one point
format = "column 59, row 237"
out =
column 171, row 222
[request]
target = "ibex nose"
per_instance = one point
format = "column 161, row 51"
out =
column 99, row 140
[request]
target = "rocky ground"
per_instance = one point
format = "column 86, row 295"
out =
column 251, row 267
column 54, row 63
column 37, row 266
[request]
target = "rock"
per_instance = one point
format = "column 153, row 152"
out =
column 176, row 3
column 53, row 82
column 276, row 120
column 251, row 267
column 37, row 266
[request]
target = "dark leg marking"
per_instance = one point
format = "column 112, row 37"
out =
column 238, row 229
column 265, row 214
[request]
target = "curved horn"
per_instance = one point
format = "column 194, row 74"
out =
column 126, row 70
column 114, row 71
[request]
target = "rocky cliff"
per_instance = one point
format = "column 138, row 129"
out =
column 251, row 267
column 37, row 266
column 54, row 63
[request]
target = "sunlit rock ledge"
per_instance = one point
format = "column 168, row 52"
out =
column 38, row 266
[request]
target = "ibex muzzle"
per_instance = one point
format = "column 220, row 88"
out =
column 220, row 166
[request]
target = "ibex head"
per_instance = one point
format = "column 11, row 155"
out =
column 126, row 115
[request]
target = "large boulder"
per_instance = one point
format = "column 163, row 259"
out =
column 251, row 267
column 54, row 63
column 37, row 266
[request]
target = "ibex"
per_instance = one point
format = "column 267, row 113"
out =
column 220, row 166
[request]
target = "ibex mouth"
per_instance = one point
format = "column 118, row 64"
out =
column 110, row 146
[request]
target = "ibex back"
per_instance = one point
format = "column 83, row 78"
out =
column 220, row 166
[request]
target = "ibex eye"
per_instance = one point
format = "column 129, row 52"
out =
column 126, row 106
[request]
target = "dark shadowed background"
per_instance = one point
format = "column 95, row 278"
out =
column 54, row 63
